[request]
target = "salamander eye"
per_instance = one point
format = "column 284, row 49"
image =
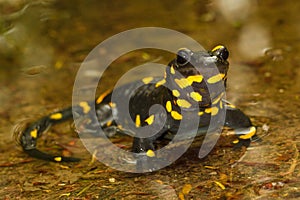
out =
column 221, row 52
column 183, row 57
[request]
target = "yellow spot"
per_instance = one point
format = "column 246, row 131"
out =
column 194, row 78
column 101, row 97
column 57, row 159
column 138, row 121
column 218, row 99
column 200, row 113
column 169, row 106
column 120, row 127
column 108, row 123
column 230, row 105
column 175, row 93
column 249, row 135
column 85, row 106
column 221, row 104
column 182, row 83
column 215, row 78
column 176, row 115
column 183, row 103
column 161, row 82
column 208, row 110
column 147, row 80
column 214, row 111
column 33, row 133
column 235, row 141
column 220, row 185
column 112, row 105
column 150, row 153
column 56, row 116
column 150, row 120
column 196, row 96
column 174, row 101
column 172, row 70
column 217, row 48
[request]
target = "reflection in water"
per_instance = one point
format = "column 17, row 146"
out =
column 253, row 40
column 21, row 33
column 236, row 11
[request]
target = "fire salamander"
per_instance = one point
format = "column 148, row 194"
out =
column 169, row 91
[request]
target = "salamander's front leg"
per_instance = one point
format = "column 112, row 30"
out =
column 145, row 157
column 147, row 160
column 241, row 124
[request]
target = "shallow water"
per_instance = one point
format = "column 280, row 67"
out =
column 43, row 43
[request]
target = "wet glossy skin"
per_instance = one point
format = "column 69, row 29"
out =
column 194, row 83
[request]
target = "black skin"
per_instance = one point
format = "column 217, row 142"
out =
column 187, row 63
